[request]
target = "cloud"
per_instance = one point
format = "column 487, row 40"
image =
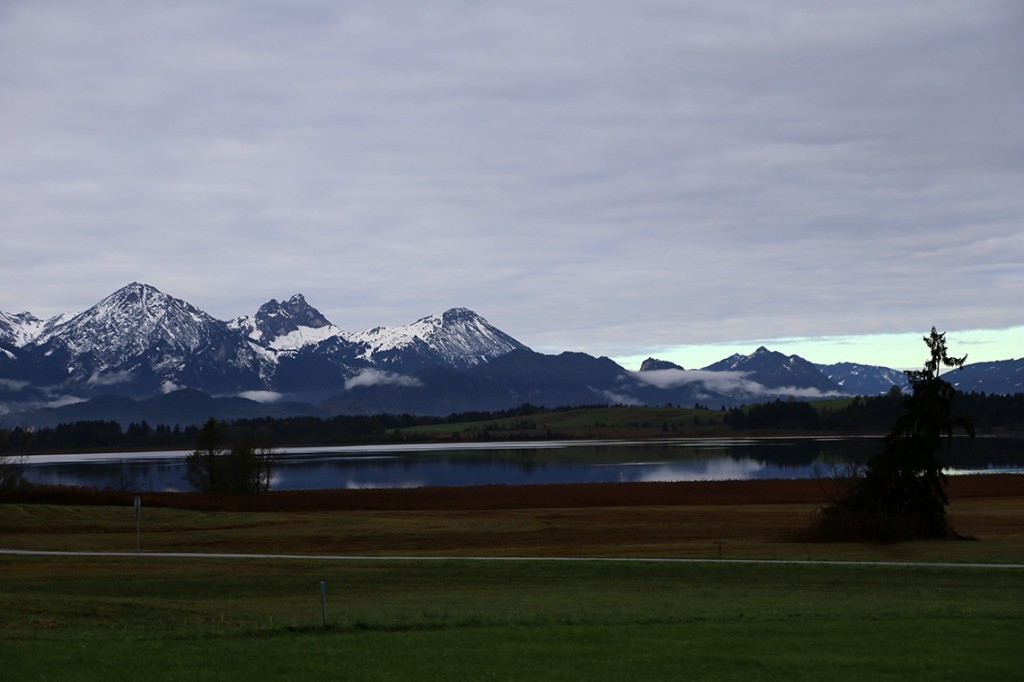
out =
column 809, row 393
column 169, row 386
column 726, row 382
column 52, row 401
column 619, row 398
column 261, row 396
column 61, row 401
column 719, row 382
column 12, row 385
column 376, row 377
column 99, row 378
column 763, row 170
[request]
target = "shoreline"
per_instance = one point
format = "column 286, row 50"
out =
column 496, row 497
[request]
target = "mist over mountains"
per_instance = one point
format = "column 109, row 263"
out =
column 142, row 354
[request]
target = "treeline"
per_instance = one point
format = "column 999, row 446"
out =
column 990, row 413
column 874, row 414
column 97, row 435
column 263, row 432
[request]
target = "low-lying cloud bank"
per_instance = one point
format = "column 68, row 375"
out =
column 261, row 396
column 112, row 378
column 13, row 385
column 376, row 377
column 729, row 383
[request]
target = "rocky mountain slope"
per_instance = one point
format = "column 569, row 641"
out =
column 864, row 379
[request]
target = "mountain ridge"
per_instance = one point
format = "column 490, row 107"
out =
column 142, row 343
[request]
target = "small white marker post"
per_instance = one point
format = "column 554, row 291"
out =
column 323, row 600
column 138, row 523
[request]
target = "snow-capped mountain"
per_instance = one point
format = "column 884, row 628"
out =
column 142, row 340
column 864, row 379
column 18, row 330
column 139, row 341
column 774, row 370
column 22, row 329
column 456, row 338
column 287, row 325
column 1000, row 376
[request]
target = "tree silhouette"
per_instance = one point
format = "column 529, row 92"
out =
column 203, row 464
column 901, row 494
column 243, row 468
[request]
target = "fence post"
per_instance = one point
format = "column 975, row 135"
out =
column 138, row 523
column 323, row 600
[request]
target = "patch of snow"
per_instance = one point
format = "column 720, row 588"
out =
column 305, row 336
column 457, row 334
column 20, row 329
column 246, row 326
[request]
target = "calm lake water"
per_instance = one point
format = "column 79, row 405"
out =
column 407, row 466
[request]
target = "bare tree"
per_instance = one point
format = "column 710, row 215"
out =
column 12, row 467
column 243, row 468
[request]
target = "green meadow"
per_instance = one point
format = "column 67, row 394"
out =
column 148, row 617
column 154, row 618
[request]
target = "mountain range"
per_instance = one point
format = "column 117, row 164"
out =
column 142, row 354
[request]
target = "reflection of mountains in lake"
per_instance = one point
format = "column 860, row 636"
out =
column 542, row 463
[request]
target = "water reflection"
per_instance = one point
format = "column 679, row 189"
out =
column 407, row 466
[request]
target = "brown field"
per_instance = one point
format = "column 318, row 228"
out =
column 731, row 519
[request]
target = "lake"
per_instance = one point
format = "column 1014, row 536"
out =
column 522, row 463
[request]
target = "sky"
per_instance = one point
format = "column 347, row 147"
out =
column 681, row 179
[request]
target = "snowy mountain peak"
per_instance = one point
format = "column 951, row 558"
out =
column 454, row 315
column 729, row 364
column 864, row 379
column 141, row 342
column 141, row 336
column 275, row 319
column 286, row 325
column 19, row 329
column 775, row 370
column 759, row 358
column 457, row 337
column 134, row 315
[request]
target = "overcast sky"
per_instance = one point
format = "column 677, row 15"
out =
column 620, row 178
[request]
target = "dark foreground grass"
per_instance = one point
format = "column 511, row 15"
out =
column 161, row 619
column 856, row 649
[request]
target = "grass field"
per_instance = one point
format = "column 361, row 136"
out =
column 215, row 619
column 154, row 618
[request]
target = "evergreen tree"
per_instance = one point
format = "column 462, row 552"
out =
column 902, row 491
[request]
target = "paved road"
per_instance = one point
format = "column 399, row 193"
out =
column 650, row 560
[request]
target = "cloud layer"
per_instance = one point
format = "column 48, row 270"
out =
column 588, row 175
column 732, row 383
column 376, row 377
